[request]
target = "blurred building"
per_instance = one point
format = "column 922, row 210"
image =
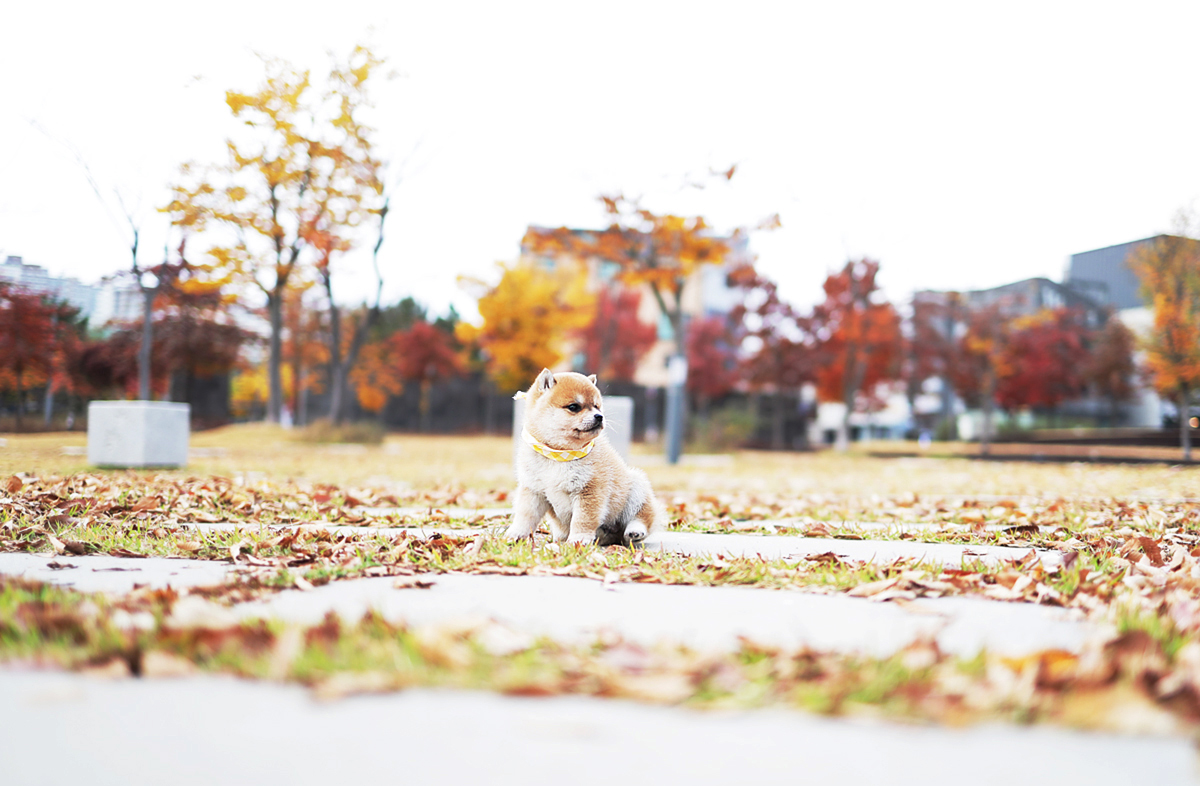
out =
column 1031, row 295
column 1106, row 275
column 705, row 293
column 110, row 301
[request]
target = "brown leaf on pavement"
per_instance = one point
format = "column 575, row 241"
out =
column 872, row 588
column 412, row 582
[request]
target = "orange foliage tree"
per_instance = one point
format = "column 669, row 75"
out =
column 1169, row 271
column 859, row 340
column 661, row 251
column 376, row 376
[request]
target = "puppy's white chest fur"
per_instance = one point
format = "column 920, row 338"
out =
column 558, row 481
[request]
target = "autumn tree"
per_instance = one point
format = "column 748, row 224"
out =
column 616, row 340
column 425, row 355
column 1169, row 272
column 662, row 252
column 27, row 342
column 296, row 186
column 348, row 199
column 307, row 351
column 981, row 361
column 858, row 338
column 778, row 349
column 376, row 376
column 1111, row 369
column 1046, row 357
column 527, row 318
column 931, row 347
column 712, row 361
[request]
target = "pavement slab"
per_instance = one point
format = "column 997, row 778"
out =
column 68, row 729
column 117, row 575
column 576, row 609
column 579, row 610
column 730, row 545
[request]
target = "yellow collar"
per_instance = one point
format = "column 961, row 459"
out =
column 557, row 455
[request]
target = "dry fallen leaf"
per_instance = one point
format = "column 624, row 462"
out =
column 14, row 484
column 412, row 582
column 157, row 663
column 872, row 588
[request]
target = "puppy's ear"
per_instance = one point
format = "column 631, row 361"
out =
column 592, row 378
column 545, row 380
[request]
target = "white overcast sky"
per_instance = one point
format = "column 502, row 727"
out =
column 961, row 144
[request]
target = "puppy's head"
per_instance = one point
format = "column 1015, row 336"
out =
column 564, row 410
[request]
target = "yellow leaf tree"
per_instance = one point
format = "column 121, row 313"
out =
column 1169, row 271
column 527, row 318
column 300, row 180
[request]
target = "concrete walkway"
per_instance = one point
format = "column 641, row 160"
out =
column 117, row 575
column 580, row 609
column 67, row 729
column 767, row 546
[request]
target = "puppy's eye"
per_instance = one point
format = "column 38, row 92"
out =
column 573, row 408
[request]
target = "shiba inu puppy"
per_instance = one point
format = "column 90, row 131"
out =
column 568, row 471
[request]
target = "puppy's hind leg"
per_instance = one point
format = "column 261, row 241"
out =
column 528, row 511
column 637, row 530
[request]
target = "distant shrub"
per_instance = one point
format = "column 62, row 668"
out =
column 728, row 428
column 324, row 432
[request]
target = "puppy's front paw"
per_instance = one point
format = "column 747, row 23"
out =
column 635, row 533
column 515, row 532
column 581, row 537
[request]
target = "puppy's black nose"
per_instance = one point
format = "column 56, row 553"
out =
column 598, row 417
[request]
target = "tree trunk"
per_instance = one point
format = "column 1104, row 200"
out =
column 48, row 410
column 989, row 404
column 20, row 398
column 275, row 357
column 1185, row 427
column 148, row 294
column 423, row 406
column 337, row 390
column 778, row 421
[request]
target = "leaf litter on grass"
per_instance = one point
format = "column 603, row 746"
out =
column 1133, row 563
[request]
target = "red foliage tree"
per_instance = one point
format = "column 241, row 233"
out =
column 778, row 349
column 712, row 364
column 1045, row 359
column 930, row 347
column 28, row 342
column 860, row 340
column 424, row 354
column 616, row 340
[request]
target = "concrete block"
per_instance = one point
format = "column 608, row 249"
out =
column 138, row 433
column 618, row 423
